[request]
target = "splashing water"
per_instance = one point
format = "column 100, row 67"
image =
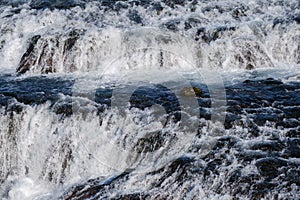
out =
column 149, row 99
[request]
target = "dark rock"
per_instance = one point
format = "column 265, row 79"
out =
column 54, row 4
column 92, row 188
column 36, row 90
column 70, row 42
column 204, row 102
column 158, row 7
column 249, row 66
column 292, row 112
column 217, row 33
column 150, row 143
column 268, row 146
column 108, row 3
column 172, row 25
column 65, row 109
column 235, row 176
column 134, row 16
column 145, row 97
column 249, row 155
column 178, row 166
column 120, row 5
column 271, row 81
column 212, row 167
column 259, row 190
column 14, row 108
column 294, row 133
column 252, row 128
column 225, row 141
column 205, row 113
column 239, row 12
column 289, row 123
column 29, row 58
column 191, row 22
column 293, row 148
column 277, row 21
column 173, row 3
column 297, row 18
column 41, row 55
column 260, row 119
column 293, row 176
column 134, row 196
column 144, row 3
column 269, row 167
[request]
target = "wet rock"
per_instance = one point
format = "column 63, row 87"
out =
column 289, row 123
column 14, row 108
column 54, row 4
column 268, row 146
column 293, row 148
column 201, row 34
column 250, row 155
column 191, row 22
column 36, row 90
column 120, row 5
column 259, row 190
column 269, row 167
column 103, row 96
column 215, row 33
column 212, row 167
column 172, row 25
column 292, row 112
column 293, row 133
column 225, row 142
column 70, row 42
column 134, row 196
column 249, row 66
column 150, row 143
column 234, row 176
column 293, row 176
column 178, row 167
column 29, row 58
column 93, row 187
column 260, row 119
column 173, row 3
column 297, row 18
column 271, row 81
column 134, row 16
column 158, row 7
column 42, row 52
column 241, row 184
column 205, row 113
column 39, row 53
column 204, row 102
column 145, row 97
column 239, row 12
column 65, row 109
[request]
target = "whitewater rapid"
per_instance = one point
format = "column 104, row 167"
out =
column 149, row 99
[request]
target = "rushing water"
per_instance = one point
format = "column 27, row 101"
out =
column 159, row 99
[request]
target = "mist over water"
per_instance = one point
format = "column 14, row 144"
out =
column 149, row 99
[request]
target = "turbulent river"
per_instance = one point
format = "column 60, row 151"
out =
column 155, row 99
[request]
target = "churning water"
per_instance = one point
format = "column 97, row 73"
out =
column 153, row 99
